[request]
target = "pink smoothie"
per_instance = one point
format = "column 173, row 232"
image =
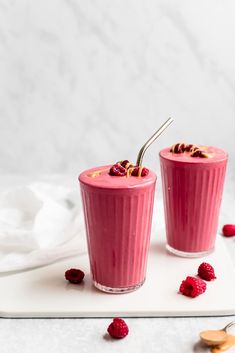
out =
column 192, row 191
column 118, row 216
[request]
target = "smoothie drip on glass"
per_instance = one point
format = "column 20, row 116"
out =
column 118, row 216
column 192, row 179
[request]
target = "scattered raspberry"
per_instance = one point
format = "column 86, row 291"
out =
column 118, row 328
column 228, row 230
column 144, row 171
column 74, row 275
column 192, row 287
column 206, row 271
column 117, row 170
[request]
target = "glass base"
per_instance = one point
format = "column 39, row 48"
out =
column 188, row 254
column 120, row 290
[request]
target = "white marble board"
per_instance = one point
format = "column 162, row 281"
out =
column 43, row 292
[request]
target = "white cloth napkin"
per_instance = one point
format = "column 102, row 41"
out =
column 39, row 224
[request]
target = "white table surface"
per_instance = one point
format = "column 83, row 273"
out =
column 87, row 335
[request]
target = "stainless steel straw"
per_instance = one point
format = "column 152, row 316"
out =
column 151, row 140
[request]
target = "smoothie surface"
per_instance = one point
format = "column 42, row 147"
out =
column 215, row 155
column 99, row 177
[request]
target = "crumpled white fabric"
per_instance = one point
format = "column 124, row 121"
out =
column 39, row 224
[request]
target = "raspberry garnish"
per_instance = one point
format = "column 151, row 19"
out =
column 192, row 287
column 178, row 148
column 198, row 153
column 194, row 150
column 139, row 171
column 188, row 147
column 74, row 275
column 144, row 172
column 118, row 328
column 123, row 168
column 125, row 163
column 206, row 271
column 228, row 230
column 117, row 170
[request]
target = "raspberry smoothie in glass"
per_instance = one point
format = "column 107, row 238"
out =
column 118, row 205
column 192, row 180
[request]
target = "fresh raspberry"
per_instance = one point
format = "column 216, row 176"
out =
column 124, row 163
column 74, row 275
column 144, row 172
column 118, row 328
column 193, row 148
column 178, row 148
column 117, row 170
column 196, row 152
column 188, row 147
column 192, row 287
column 206, row 272
column 135, row 171
column 228, row 230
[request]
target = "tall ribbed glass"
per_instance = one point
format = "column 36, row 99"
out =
column 192, row 192
column 118, row 217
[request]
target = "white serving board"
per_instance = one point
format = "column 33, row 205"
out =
column 43, row 292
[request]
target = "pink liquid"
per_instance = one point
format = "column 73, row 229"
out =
column 118, row 217
column 192, row 191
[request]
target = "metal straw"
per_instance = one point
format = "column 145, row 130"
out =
column 151, row 140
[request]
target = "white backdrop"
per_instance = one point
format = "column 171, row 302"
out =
column 85, row 83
